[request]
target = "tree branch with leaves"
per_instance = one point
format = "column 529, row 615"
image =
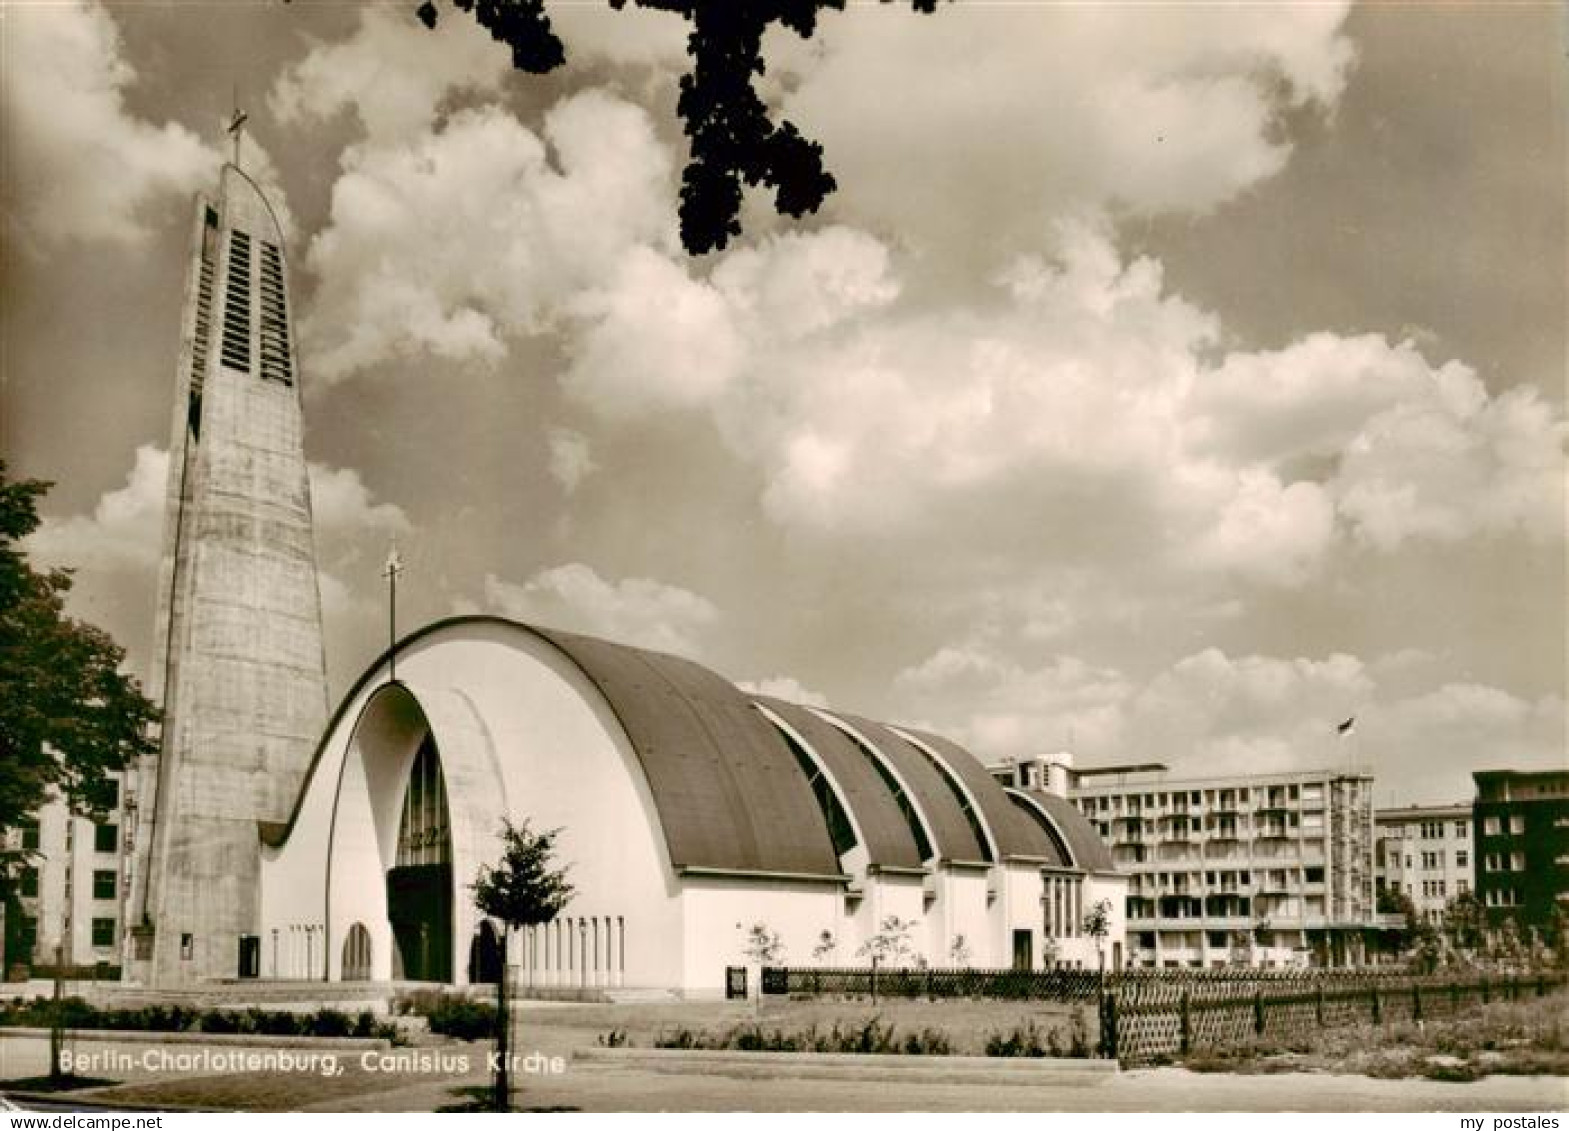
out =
column 523, row 889
column 69, row 717
column 733, row 140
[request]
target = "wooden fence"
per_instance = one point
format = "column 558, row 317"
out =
column 1147, row 1015
column 1147, row 1019
column 907, row 982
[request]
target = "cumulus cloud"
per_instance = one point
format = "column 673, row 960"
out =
column 1215, row 713
column 570, row 459
column 116, row 547
column 783, row 687
column 1011, row 709
column 634, row 610
column 1454, row 463
column 394, row 74
column 452, row 241
column 125, row 529
column 341, row 503
column 632, row 36
column 1051, row 109
column 83, row 166
column 1085, row 387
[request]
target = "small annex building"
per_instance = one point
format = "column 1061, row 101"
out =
column 689, row 812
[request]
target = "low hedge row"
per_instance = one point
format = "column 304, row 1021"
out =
column 77, row 1013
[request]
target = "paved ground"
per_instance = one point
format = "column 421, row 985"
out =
column 599, row 1088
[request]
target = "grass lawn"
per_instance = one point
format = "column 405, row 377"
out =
column 966, row 1022
column 1517, row 1038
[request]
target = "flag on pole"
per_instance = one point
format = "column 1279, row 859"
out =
column 1347, row 727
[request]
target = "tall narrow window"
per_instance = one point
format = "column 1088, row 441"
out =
column 202, row 330
column 236, row 347
column 962, row 799
column 423, row 836
column 840, row 831
column 275, row 363
column 923, row 843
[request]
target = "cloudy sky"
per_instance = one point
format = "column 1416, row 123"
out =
column 1165, row 382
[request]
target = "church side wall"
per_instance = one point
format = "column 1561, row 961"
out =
column 720, row 913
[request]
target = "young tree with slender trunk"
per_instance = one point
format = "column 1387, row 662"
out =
column 524, row 889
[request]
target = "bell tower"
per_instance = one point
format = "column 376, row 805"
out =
column 239, row 662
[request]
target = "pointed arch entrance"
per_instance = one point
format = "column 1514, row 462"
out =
column 419, row 884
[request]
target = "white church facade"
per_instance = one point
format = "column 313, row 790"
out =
column 269, row 841
column 689, row 812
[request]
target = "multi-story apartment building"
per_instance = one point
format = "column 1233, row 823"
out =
column 1427, row 852
column 1522, row 844
column 1268, row 870
column 72, row 889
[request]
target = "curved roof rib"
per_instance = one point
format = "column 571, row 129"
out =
column 1089, row 853
column 885, row 834
column 727, row 788
column 954, row 839
column 1014, row 834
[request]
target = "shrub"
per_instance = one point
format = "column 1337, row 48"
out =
column 460, row 1017
column 871, row 1036
column 79, row 1014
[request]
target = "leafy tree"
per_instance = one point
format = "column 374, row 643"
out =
column 764, row 945
column 1464, row 922
column 959, row 951
column 68, row 716
column 826, row 946
column 1556, row 934
column 891, row 943
column 1097, row 925
column 524, row 890
column 733, row 140
column 1416, row 936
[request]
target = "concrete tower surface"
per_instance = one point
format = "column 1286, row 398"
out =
column 240, row 669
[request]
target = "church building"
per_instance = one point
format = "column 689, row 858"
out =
column 273, row 842
column 689, row 810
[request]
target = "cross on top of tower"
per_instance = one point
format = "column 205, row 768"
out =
column 236, row 126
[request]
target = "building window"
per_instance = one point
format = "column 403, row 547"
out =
column 1461, row 830
column 840, row 831
column 1517, row 861
column 423, row 836
column 1516, row 823
column 1490, row 826
column 187, row 947
column 106, row 838
column 29, row 836
column 103, row 932
column 1462, row 858
column 104, row 884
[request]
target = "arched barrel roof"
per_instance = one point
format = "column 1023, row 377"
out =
column 885, row 835
column 1016, row 835
column 953, row 838
column 1090, row 853
column 728, row 790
